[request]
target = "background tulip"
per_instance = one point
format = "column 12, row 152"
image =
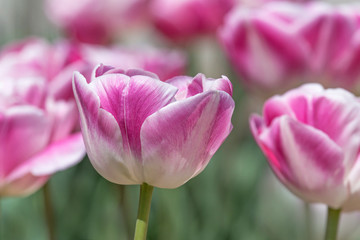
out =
column 186, row 19
column 92, row 21
column 293, row 43
column 57, row 62
column 37, row 136
column 165, row 63
column 177, row 127
column 39, row 117
column 311, row 139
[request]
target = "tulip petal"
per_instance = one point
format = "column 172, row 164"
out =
column 179, row 140
column 59, row 156
column 131, row 101
column 312, row 164
column 65, row 118
column 22, row 186
column 24, row 131
column 103, row 138
column 295, row 103
column 189, row 86
column 342, row 113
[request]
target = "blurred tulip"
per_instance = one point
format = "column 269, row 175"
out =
column 165, row 63
column 57, row 62
column 37, row 129
column 311, row 138
column 282, row 44
column 138, row 129
column 35, row 57
column 259, row 3
column 182, row 20
column 93, row 21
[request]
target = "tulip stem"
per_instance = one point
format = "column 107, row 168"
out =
column 332, row 223
column 125, row 211
column 143, row 211
column 49, row 214
column 1, row 227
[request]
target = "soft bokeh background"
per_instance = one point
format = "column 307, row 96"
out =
column 236, row 197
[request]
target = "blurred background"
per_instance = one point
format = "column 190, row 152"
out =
column 235, row 197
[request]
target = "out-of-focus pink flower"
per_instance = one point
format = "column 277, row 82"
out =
column 182, row 20
column 93, row 21
column 311, row 138
column 138, row 129
column 35, row 57
column 165, row 63
column 281, row 44
column 58, row 61
column 37, row 127
column 259, row 3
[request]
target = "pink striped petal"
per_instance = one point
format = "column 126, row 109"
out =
column 311, row 163
column 131, row 100
column 65, row 117
column 102, row 137
column 59, row 156
column 179, row 140
column 24, row 131
column 327, row 33
column 191, row 86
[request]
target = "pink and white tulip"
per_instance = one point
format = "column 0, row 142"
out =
column 138, row 129
column 165, row 63
column 282, row 44
column 259, row 3
column 57, row 62
column 37, row 127
column 182, row 20
column 93, row 21
column 311, row 138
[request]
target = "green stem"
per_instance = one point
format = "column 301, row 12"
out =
column 125, row 211
column 332, row 223
column 308, row 222
column 49, row 214
column 143, row 211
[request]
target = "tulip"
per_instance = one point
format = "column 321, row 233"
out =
column 186, row 19
column 282, row 44
column 57, row 62
column 139, row 130
column 36, row 136
column 38, row 128
column 35, row 57
column 259, row 3
column 165, row 63
column 94, row 21
column 311, row 138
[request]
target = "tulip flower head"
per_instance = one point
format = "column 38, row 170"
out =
column 311, row 138
column 138, row 129
column 183, row 20
column 93, row 21
column 37, row 125
column 282, row 44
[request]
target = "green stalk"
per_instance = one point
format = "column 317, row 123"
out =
column 332, row 223
column 1, row 227
column 124, row 206
column 143, row 212
column 308, row 222
column 49, row 214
